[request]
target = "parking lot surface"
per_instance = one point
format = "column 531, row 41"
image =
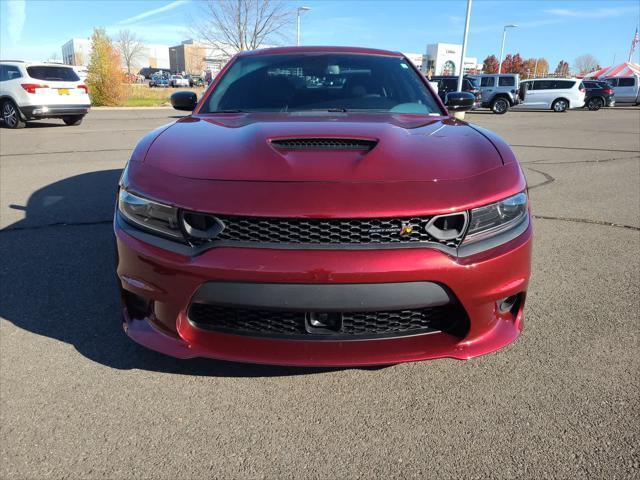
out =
column 79, row 400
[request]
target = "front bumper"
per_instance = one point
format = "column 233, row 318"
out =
column 171, row 282
column 53, row 111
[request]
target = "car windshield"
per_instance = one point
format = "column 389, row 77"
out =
column 321, row 82
column 53, row 74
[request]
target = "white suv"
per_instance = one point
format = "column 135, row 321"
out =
column 558, row 94
column 31, row 90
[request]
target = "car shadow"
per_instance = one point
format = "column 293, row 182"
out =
column 58, row 280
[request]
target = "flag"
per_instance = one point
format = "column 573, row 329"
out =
column 634, row 44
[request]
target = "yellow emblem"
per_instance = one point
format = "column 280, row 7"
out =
column 406, row 229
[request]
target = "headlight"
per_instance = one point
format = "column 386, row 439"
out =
column 496, row 218
column 149, row 215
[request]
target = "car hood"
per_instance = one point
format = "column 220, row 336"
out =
column 238, row 147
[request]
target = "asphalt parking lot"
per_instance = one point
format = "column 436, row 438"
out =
column 80, row 400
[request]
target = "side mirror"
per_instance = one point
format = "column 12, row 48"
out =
column 459, row 101
column 184, row 101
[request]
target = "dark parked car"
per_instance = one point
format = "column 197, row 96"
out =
column 321, row 206
column 599, row 94
column 448, row 84
column 149, row 72
column 195, row 80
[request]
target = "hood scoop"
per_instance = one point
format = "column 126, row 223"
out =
column 359, row 144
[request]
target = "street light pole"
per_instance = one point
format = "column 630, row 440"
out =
column 300, row 10
column 464, row 45
column 504, row 37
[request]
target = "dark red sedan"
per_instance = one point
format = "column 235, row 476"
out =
column 321, row 206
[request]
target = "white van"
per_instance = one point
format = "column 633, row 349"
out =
column 558, row 94
column 626, row 89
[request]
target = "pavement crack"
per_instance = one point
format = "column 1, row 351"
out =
column 577, row 148
column 585, row 220
column 548, row 178
column 603, row 160
column 66, row 151
column 56, row 224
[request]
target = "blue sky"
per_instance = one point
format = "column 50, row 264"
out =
column 35, row 29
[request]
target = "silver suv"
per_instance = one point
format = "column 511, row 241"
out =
column 499, row 91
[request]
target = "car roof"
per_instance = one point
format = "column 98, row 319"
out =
column 319, row 49
column 553, row 78
column 33, row 63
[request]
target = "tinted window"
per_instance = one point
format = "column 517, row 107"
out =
column 9, row 72
column 626, row 82
column 507, row 82
column 325, row 81
column 553, row 84
column 612, row 81
column 543, row 85
column 592, row 85
column 564, row 84
column 487, row 81
column 53, row 74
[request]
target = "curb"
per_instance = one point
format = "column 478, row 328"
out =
column 132, row 108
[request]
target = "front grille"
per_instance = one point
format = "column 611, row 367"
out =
column 327, row 231
column 450, row 319
column 324, row 144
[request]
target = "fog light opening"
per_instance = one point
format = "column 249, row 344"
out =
column 509, row 304
column 137, row 305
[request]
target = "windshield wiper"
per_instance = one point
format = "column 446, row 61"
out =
column 227, row 111
column 337, row 109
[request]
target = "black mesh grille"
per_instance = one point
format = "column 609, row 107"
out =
column 281, row 323
column 324, row 144
column 326, row 231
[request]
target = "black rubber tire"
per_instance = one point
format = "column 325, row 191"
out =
column 595, row 103
column 11, row 115
column 500, row 106
column 73, row 120
column 560, row 105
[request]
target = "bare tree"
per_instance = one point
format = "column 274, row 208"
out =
column 130, row 48
column 232, row 26
column 586, row 63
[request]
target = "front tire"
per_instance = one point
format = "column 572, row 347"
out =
column 73, row 120
column 500, row 106
column 595, row 103
column 560, row 105
column 11, row 115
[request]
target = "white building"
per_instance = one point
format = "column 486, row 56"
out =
column 444, row 59
column 416, row 58
column 77, row 51
column 154, row 55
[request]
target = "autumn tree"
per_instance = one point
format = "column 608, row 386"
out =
column 528, row 68
column 586, row 63
column 562, row 69
column 235, row 25
column 104, row 76
column 130, row 48
column 543, row 68
column 512, row 63
column 490, row 64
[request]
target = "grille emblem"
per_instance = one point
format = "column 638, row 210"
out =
column 406, row 229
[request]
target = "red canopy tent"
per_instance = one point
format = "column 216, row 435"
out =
column 626, row 69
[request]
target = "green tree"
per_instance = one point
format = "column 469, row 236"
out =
column 105, row 76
